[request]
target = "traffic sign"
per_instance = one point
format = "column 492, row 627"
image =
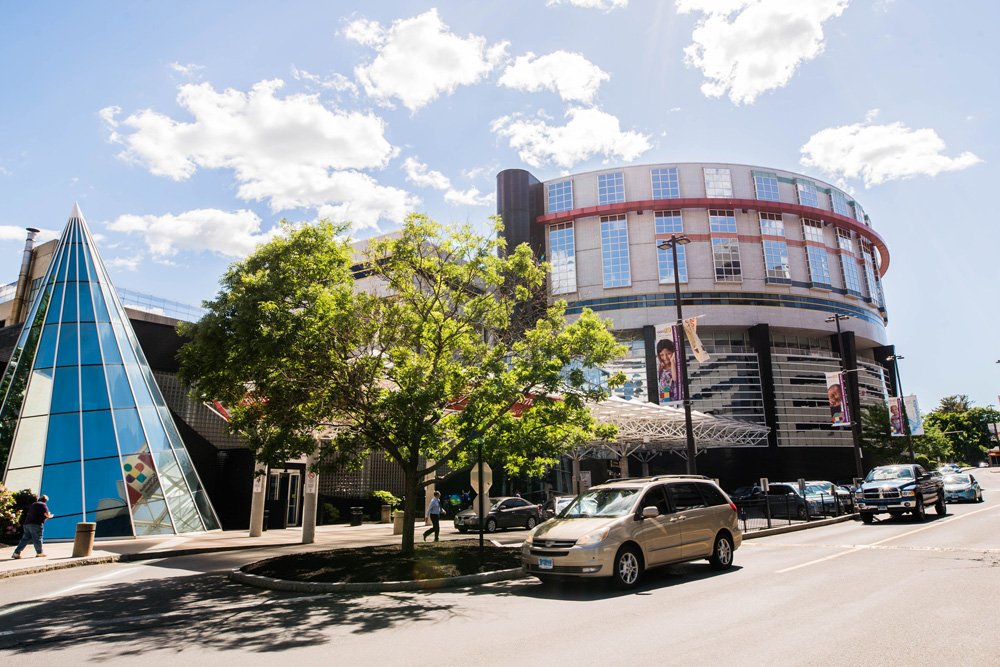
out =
column 487, row 478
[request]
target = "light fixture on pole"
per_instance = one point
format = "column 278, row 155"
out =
column 855, row 409
column 895, row 359
column 671, row 245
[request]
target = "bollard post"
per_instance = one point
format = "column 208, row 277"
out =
column 83, row 543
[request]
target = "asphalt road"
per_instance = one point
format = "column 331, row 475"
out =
column 892, row 593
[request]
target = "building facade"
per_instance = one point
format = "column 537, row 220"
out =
column 772, row 256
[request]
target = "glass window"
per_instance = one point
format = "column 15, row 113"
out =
column 560, row 197
column 86, row 307
column 849, row 263
column 100, row 310
column 713, row 496
column 611, row 188
column 665, row 261
column 62, row 483
column 121, row 394
column 859, row 213
column 614, row 251
column 130, row 436
column 108, row 346
column 722, row 222
column 665, row 183
column 67, row 348
column 45, row 358
column 562, row 254
column 90, row 350
column 807, row 193
column 776, row 261
column 668, row 222
column 155, row 435
column 685, row 496
column 726, row 256
column 139, row 390
column 95, row 396
column 819, row 269
column 66, row 390
column 55, row 309
column 98, row 435
column 839, row 203
column 772, row 224
column 718, row 183
column 63, row 441
column 812, row 230
column 39, row 396
column 27, row 451
column 766, row 186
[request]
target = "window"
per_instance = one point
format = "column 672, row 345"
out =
column 766, row 185
column 560, row 196
column 722, row 222
column 718, row 183
column 713, row 496
column 772, row 224
column 665, row 184
column 614, row 251
column 655, row 498
column 812, row 230
column 859, row 213
column 562, row 252
column 807, row 193
column 776, row 262
column 611, row 188
column 819, row 269
column 685, row 496
column 669, row 222
column 839, row 202
column 726, row 256
column 849, row 263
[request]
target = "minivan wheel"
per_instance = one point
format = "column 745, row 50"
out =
column 722, row 555
column 628, row 568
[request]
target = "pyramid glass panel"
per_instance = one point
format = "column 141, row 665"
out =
column 81, row 417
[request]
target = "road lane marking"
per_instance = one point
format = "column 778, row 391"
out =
column 86, row 583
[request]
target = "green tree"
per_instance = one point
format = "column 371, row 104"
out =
column 954, row 404
column 933, row 443
column 965, row 427
column 876, row 439
column 428, row 353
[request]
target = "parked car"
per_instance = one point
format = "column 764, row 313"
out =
column 830, row 496
column 786, row 501
column 554, row 505
column 622, row 528
column 900, row 489
column 962, row 486
column 503, row 513
column 949, row 468
column 745, row 492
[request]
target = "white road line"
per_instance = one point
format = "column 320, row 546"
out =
column 93, row 580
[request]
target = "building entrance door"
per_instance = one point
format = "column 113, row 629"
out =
column 284, row 498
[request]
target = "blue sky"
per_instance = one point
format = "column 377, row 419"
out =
column 186, row 130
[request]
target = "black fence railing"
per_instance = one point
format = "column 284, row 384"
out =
column 771, row 511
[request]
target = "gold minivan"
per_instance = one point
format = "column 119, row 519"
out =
column 624, row 527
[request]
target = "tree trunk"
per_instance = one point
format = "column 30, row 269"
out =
column 409, row 510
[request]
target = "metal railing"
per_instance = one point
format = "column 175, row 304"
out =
column 772, row 511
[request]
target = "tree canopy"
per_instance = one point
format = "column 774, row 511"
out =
column 418, row 344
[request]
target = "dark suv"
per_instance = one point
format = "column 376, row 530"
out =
column 900, row 489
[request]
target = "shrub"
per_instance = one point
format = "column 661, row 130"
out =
column 923, row 461
column 330, row 513
column 9, row 524
column 386, row 498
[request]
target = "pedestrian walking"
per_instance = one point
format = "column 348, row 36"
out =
column 434, row 511
column 33, row 521
column 466, row 500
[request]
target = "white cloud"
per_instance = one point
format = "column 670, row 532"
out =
column 575, row 78
column 186, row 70
column 480, row 172
column 15, row 233
column 293, row 152
column 587, row 133
column 880, row 153
column 758, row 49
column 470, row 197
column 606, row 5
column 419, row 174
column 125, row 263
column 337, row 82
column 4, row 172
column 233, row 234
column 419, row 60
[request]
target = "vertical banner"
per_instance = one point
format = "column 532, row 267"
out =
column 668, row 381
column 913, row 415
column 896, row 412
column 691, row 329
column 836, row 391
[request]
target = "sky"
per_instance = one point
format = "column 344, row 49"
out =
column 187, row 130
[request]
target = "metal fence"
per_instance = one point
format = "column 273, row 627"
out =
column 772, row 511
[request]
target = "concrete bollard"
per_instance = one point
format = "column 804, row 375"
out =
column 386, row 513
column 83, row 543
column 397, row 523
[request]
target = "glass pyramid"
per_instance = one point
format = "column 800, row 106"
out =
column 81, row 417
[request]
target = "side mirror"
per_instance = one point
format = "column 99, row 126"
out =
column 650, row 512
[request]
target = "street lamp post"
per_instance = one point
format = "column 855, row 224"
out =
column 856, row 416
column 671, row 244
column 895, row 359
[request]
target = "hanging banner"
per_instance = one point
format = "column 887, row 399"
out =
column 697, row 349
column 668, row 381
column 896, row 411
column 913, row 415
column 836, row 391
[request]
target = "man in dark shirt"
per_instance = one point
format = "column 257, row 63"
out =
column 33, row 521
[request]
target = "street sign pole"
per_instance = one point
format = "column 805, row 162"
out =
column 479, row 499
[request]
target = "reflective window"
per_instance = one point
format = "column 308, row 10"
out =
column 86, row 307
column 874, row 289
column 859, row 213
column 611, row 188
column 100, row 310
column 766, row 186
column 66, row 354
column 39, row 396
column 812, row 230
column 849, row 263
column 807, row 193
column 839, row 203
column 66, row 390
column 152, row 518
column 776, row 261
column 55, row 306
column 665, row 183
column 614, row 251
column 562, row 254
column 670, row 222
column 96, row 395
column 772, row 224
column 27, row 451
column 90, row 349
column 103, row 485
column 63, row 441
column 131, row 439
column 560, row 197
column 62, row 483
column 155, row 435
column 46, row 356
column 139, row 390
column 722, row 222
column 684, row 497
column 718, row 183
column 726, row 257
column 108, row 346
column 819, row 269
column 121, row 394
column 99, row 435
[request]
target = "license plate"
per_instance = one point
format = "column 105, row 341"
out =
column 544, row 563
column 459, row 521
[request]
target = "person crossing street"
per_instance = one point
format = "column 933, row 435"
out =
column 434, row 511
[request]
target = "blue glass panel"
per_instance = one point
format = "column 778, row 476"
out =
column 128, row 356
column 154, row 388
column 71, row 273
column 46, row 356
column 66, row 390
column 86, row 308
column 63, row 441
column 155, row 435
column 108, row 346
column 205, row 509
column 63, row 264
column 168, row 424
column 89, row 265
column 61, row 483
column 105, row 485
column 60, row 527
column 69, row 313
column 112, row 520
column 100, row 310
column 95, row 392
column 121, row 395
column 90, row 351
column 55, row 306
column 152, row 518
column 130, row 437
column 67, row 355
column 139, row 390
column 99, row 435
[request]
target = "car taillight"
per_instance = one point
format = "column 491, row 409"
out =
column 733, row 505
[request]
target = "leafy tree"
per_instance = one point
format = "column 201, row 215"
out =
column 876, row 439
column 933, row 444
column 427, row 354
column 965, row 427
column 954, row 404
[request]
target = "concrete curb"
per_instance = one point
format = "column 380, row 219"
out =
column 799, row 526
column 241, row 577
column 63, row 565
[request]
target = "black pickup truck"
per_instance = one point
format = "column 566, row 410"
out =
column 899, row 489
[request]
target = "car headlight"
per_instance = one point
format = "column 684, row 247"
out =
column 907, row 493
column 595, row 537
column 530, row 539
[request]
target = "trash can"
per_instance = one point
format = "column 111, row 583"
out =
column 357, row 513
column 83, row 543
column 267, row 518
